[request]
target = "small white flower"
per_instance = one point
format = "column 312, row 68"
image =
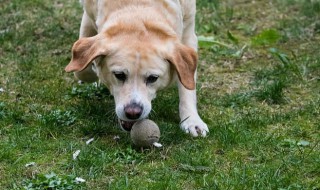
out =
column 76, row 154
column 1, row 90
column 80, row 180
column 116, row 138
column 158, row 145
column 30, row 164
column 89, row 141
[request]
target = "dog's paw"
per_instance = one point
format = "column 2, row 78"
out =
column 194, row 126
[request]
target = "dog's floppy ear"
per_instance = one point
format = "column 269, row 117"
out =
column 184, row 59
column 84, row 51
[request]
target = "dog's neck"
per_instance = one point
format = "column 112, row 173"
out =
column 130, row 20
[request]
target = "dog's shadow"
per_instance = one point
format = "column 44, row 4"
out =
column 165, row 113
column 95, row 109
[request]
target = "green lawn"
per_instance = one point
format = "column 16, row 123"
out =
column 258, row 90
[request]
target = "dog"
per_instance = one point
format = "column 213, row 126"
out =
column 137, row 47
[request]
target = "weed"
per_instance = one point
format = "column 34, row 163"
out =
column 287, row 65
column 89, row 91
column 266, row 37
column 2, row 110
column 272, row 92
column 52, row 181
column 273, row 82
column 58, row 118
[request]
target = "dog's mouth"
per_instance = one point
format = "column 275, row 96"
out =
column 126, row 125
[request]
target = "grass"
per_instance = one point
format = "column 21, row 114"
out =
column 258, row 91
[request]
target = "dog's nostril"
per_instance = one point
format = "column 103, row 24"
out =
column 133, row 111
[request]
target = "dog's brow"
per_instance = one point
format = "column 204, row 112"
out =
column 119, row 70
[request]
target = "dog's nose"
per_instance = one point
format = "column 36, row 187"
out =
column 133, row 111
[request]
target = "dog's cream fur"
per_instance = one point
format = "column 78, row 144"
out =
column 137, row 47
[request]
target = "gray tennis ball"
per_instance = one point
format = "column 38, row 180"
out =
column 145, row 133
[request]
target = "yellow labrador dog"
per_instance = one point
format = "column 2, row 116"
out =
column 137, row 47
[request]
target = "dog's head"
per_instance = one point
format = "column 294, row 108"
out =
column 134, row 65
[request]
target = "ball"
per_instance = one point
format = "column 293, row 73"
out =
column 145, row 133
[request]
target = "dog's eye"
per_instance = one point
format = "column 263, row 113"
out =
column 120, row 76
column 151, row 79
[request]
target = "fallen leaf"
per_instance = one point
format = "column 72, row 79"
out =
column 80, row 180
column 76, row 154
column 30, row 164
column 89, row 141
column 303, row 143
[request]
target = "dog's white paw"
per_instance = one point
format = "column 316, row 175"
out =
column 194, row 126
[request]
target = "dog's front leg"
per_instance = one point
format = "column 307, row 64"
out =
column 190, row 119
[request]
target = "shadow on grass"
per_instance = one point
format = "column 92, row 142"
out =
column 166, row 114
column 94, row 109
